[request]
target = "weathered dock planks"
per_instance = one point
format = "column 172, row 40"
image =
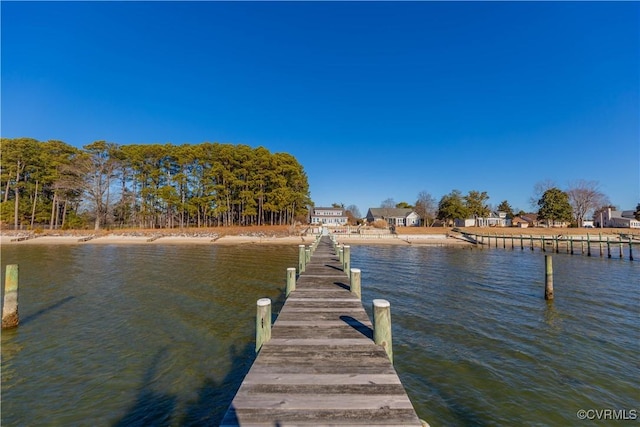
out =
column 321, row 366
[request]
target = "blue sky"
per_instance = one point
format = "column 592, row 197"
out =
column 376, row 100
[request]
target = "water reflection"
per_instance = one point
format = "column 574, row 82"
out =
column 552, row 317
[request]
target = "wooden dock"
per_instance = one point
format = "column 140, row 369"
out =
column 321, row 366
column 614, row 246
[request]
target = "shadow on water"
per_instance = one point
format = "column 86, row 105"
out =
column 358, row 326
column 39, row 313
column 150, row 407
column 214, row 398
column 154, row 409
column 463, row 414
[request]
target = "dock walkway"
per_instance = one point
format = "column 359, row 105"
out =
column 321, row 366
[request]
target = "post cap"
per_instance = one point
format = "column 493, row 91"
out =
column 355, row 270
column 264, row 302
column 381, row 303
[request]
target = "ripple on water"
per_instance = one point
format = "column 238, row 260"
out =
column 163, row 335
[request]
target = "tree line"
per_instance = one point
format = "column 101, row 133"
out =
column 55, row 185
column 578, row 202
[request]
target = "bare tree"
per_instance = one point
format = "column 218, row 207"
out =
column 539, row 189
column 98, row 168
column 426, row 207
column 354, row 211
column 585, row 197
column 388, row 203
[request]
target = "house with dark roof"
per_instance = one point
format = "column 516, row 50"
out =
column 398, row 217
column 519, row 222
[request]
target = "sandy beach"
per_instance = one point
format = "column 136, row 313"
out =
column 224, row 240
column 278, row 235
column 114, row 239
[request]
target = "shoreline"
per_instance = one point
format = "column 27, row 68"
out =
column 221, row 241
column 406, row 237
column 137, row 239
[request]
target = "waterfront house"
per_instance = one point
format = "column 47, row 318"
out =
column 328, row 216
column 532, row 219
column 464, row 222
column 398, row 217
column 519, row 222
column 494, row 219
column 616, row 219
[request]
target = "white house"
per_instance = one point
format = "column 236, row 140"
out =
column 466, row 222
column 616, row 219
column 494, row 219
column 398, row 217
column 328, row 216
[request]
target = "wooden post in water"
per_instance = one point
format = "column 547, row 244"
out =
column 504, row 242
column 630, row 249
column 355, row 281
column 521, row 243
column 544, row 249
column 301, row 258
column 608, row 248
column 548, row 277
column 557, row 244
column 496, row 240
column 512, row 242
column 382, row 325
column 588, row 245
column 10, row 317
column 263, row 322
column 291, row 280
column 600, row 243
column 571, row 243
column 621, row 251
column 346, row 258
column 531, row 237
column 581, row 245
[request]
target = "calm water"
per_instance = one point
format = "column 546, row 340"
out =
column 163, row 335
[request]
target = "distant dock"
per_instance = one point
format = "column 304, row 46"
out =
column 587, row 244
column 321, row 365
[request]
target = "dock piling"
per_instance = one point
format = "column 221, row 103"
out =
column 10, row 318
column 571, row 244
column 548, row 277
column 346, row 258
column 263, row 322
column 355, row 281
column 600, row 244
column 382, row 325
column 301, row 258
column 291, row 280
